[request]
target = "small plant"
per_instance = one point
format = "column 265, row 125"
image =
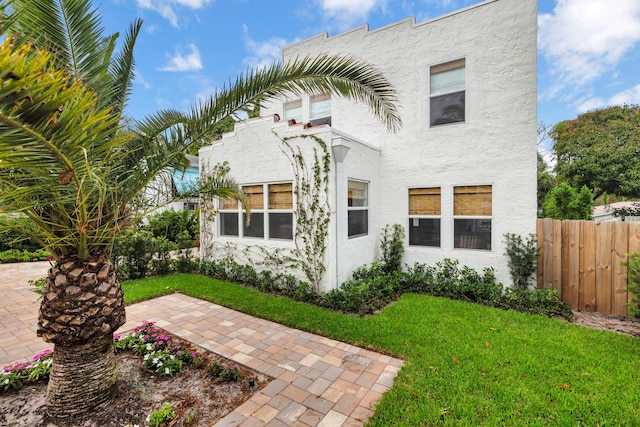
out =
column 229, row 374
column 190, row 418
column 216, row 369
column 162, row 416
column 163, row 353
column 163, row 363
column 523, row 258
column 14, row 376
column 38, row 285
column 392, row 247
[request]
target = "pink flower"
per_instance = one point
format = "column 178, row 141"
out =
column 8, row 368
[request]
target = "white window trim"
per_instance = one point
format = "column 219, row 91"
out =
column 359, row 208
column 265, row 211
column 489, row 217
column 449, row 92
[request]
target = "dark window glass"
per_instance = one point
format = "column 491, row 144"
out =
column 256, row 228
column 358, row 222
column 472, row 233
column 228, row 223
column 424, row 231
column 447, row 108
column 281, row 226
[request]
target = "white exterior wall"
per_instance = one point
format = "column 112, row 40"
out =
column 255, row 156
column 495, row 145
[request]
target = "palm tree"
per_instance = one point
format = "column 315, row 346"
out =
column 76, row 166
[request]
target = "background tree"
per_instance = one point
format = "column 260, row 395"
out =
column 73, row 164
column 601, row 149
column 565, row 202
column 546, row 182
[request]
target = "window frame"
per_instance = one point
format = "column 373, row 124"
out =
column 437, row 215
column 297, row 105
column 313, row 100
column 222, row 210
column 475, row 238
column 270, row 211
column 442, row 68
column 364, row 208
column 264, row 210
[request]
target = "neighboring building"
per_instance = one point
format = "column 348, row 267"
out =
column 607, row 212
column 165, row 186
column 459, row 174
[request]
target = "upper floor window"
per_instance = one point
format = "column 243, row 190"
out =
column 293, row 110
column 320, row 106
column 447, row 92
column 424, row 216
column 358, row 208
column 472, row 210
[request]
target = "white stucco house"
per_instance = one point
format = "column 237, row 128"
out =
column 459, row 174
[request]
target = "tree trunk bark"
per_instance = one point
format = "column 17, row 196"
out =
column 83, row 379
column 82, row 306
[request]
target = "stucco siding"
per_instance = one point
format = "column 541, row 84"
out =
column 495, row 145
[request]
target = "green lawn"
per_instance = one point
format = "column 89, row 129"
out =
column 466, row 365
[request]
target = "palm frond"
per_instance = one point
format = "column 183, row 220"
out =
column 341, row 76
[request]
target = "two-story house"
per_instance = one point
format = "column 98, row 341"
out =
column 459, row 174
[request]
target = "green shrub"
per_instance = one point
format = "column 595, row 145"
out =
column 132, row 254
column 17, row 255
column 161, row 262
column 392, row 247
column 10, row 239
column 537, row 301
column 523, row 258
column 181, row 227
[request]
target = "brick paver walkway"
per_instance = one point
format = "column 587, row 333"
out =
column 317, row 381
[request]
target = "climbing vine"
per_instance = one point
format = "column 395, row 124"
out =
column 312, row 210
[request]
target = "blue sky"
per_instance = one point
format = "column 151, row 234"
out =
column 588, row 50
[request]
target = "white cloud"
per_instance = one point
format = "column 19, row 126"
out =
column 583, row 39
column 262, row 54
column 168, row 9
column 343, row 14
column 629, row 96
column 184, row 62
column 139, row 79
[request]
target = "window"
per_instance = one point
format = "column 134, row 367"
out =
column 320, row 106
column 281, row 211
column 255, row 194
column 357, row 206
column 472, row 210
column 293, row 110
column 229, row 218
column 447, row 90
column 276, row 217
column 424, row 216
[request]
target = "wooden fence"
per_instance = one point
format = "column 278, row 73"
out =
column 582, row 260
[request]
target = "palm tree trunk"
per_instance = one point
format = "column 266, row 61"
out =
column 83, row 378
column 82, row 306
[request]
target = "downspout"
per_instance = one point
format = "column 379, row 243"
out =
column 340, row 147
